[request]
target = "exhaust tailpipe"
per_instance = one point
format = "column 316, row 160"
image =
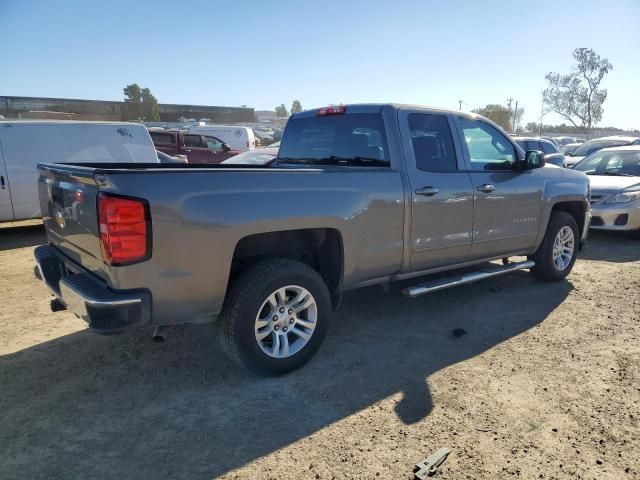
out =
column 160, row 333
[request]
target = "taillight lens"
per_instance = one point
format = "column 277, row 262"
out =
column 124, row 229
column 332, row 110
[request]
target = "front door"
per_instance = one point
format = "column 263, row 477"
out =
column 508, row 201
column 216, row 149
column 6, row 209
column 441, row 192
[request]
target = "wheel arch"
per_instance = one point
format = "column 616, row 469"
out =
column 574, row 206
column 320, row 248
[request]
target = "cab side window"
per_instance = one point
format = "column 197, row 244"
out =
column 548, row 147
column 193, row 141
column 432, row 142
column 213, row 143
column 489, row 150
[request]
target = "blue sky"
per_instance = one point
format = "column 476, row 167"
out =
column 264, row 53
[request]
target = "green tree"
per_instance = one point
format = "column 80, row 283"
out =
column 576, row 97
column 531, row 127
column 140, row 104
column 296, row 107
column 496, row 113
column 282, row 111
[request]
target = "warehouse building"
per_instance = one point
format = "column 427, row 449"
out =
column 75, row 109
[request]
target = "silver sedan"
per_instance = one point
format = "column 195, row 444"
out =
column 615, row 187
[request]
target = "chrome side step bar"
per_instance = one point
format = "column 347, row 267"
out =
column 455, row 280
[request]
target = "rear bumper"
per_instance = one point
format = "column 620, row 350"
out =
column 89, row 297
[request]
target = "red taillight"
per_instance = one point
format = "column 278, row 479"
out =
column 332, row 110
column 124, row 230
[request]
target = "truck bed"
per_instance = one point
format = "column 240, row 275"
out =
column 200, row 213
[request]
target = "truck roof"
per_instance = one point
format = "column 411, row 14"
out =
column 376, row 107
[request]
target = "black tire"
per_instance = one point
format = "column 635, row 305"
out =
column 243, row 302
column 545, row 268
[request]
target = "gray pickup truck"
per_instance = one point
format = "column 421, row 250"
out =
column 359, row 195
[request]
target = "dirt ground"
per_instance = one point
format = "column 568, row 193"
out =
column 544, row 384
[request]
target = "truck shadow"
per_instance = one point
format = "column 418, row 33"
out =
column 89, row 406
column 21, row 236
column 606, row 246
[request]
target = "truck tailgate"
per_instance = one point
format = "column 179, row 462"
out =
column 69, row 208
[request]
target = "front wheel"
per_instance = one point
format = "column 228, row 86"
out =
column 275, row 316
column 556, row 254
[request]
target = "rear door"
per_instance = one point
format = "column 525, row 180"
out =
column 166, row 142
column 441, row 191
column 196, row 149
column 6, row 209
column 508, row 201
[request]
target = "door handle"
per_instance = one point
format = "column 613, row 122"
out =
column 486, row 188
column 427, row 191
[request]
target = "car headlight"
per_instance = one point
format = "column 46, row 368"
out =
column 624, row 197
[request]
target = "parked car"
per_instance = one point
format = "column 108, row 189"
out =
column 23, row 144
column 164, row 158
column 259, row 156
column 359, row 195
column 550, row 139
column 197, row 148
column 551, row 153
column 615, row 187
column 587, row 148
column 561, row 141
column 264, row 137
column 569, row 148
column 237, row 137
column 277, row 133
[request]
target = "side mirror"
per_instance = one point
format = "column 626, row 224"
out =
column 225, row 147
column 533, row 159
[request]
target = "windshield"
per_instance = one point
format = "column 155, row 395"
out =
column 347, row 139
column 623, row 163
column 568, row 149
column 595, row 145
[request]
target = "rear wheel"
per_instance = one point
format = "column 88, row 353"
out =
column 275, row 316
column 557, row 253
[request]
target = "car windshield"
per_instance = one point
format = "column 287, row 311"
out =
column 617, row 163
column 595, row 145
column 567, row 149
column 345, row 139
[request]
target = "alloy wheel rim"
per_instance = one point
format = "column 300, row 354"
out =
column 563, row 248
column 286, row 321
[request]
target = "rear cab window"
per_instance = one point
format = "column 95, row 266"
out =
column 348, row 139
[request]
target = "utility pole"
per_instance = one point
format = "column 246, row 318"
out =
column 515, row 115
column 541, row 116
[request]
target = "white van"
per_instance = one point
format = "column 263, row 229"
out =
column 24, row 144
column 238, row 138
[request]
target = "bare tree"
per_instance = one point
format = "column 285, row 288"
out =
column 576, row 96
